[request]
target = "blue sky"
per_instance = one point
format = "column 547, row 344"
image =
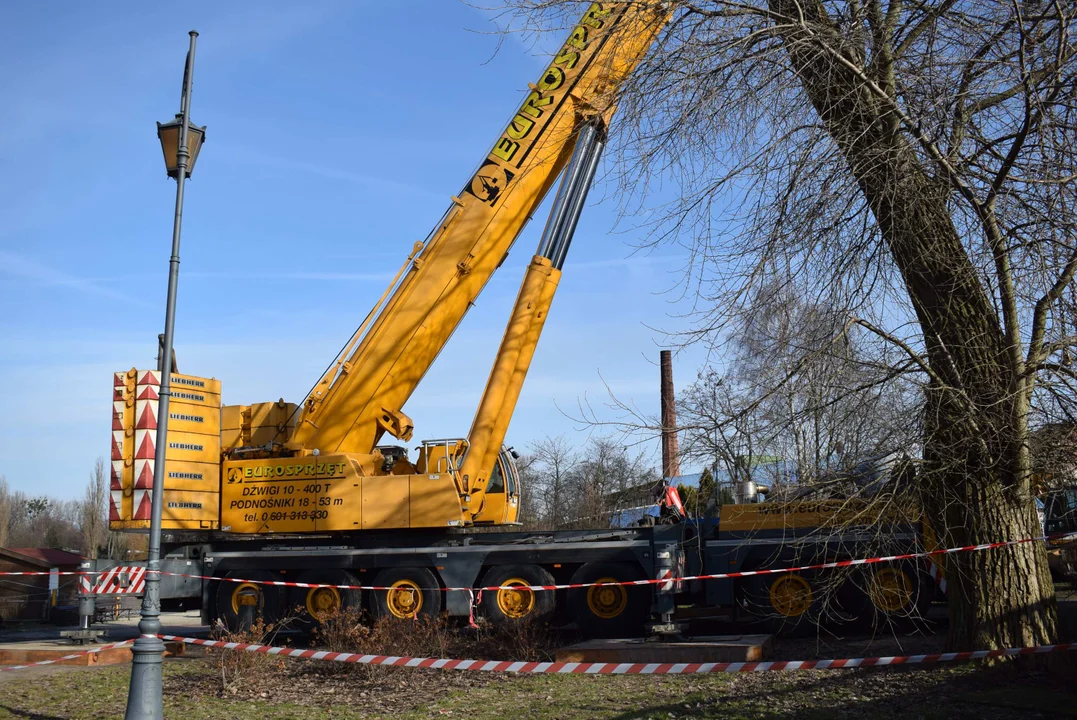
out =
column 336, row 134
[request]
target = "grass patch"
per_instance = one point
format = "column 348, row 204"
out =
column 300, row 690
column 69, row 693
column 895, row 694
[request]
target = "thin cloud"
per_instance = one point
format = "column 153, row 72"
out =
column 539, row 46
column 645, row 261
column 318, row 276
column 375, row 182
column 370, row 181
column 21, row 267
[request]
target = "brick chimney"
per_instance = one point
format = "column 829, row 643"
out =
column 671, row 462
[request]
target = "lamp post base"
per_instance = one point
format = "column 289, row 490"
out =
column 144, row 698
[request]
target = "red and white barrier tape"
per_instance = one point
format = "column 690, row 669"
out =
column 520, row 666
column 937, row 575
column 660, row 580
column 650, row 581
column 72, row 656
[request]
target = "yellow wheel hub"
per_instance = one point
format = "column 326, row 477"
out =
column 238, row 590
column 891, row 590
column 790, row 595
column 323, row 602
column 404, row 599
column 515, row 601
column 607, row 601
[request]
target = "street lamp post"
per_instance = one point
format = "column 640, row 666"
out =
column 180, row 142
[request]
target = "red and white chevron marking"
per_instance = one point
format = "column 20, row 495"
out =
column 115, row 502
column 72, row 656
column 145, row 439
column 149, row 377
column 122, row 580
column 116, row 475
column 143, row 474
column 520, row 666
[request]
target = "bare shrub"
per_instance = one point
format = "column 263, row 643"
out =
column 350, row 631
column 528, row 639
column 238, row 667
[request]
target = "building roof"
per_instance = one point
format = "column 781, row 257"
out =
column 49, row 556
column 689, row 480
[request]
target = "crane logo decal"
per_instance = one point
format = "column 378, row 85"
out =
column 545, row 99
column 489, row 182
column 547, row 96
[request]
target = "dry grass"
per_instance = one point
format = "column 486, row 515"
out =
column 237, row 667
column 352, row 631
column 256, row 676
column 297, row 693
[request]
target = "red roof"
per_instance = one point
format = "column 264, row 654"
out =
column 54, row 558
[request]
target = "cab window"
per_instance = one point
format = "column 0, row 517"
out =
column 513, row 489
column 1062, row 512
column 497, row 480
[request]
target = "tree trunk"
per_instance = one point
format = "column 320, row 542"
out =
column 976, row 484
column 1002, row 597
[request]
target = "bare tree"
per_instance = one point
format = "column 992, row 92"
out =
column 5, row 511
column 94, row 509
column 585, row 487
column 913, row 165
column 554, row 459
column 528, row 515
column 607, row 478
column 798, row 386
column 118, row 544
column 41, row 521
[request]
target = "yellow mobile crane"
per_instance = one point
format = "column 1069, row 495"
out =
column 275, row 491
column 278, row 468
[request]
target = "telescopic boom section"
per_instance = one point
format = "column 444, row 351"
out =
column 527, row 320
column 362, row 397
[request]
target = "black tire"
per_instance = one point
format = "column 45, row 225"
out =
column 891, row 595
column 418, row 589
column 508, row 608
column 787, row 604
column 308, row 604
column 610, row 610
column 269, row 603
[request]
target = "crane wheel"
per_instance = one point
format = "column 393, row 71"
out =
column 512, row 604
column 889, row 594
column 269, row 599
column 314, row 606
column 412, row 592
column 788, row 604
column 609, row 610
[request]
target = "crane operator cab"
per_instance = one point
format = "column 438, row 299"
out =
column 501, row 504
column 500, row 498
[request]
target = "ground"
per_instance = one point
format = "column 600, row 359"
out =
column 305, row 689
column 207, row 684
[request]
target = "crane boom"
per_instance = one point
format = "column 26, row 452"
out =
column 259, row 470
column 527, row 320
column 363, row 397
